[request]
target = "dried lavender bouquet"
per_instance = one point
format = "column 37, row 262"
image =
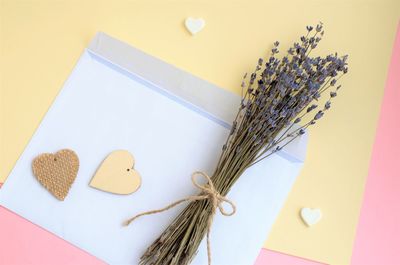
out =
column 279, row 102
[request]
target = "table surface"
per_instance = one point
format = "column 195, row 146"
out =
column 41, row 41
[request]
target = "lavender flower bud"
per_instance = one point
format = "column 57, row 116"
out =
column 316, row 96
column 327, row 105
column 319, row 27
column 311, row 108
column 319, row 115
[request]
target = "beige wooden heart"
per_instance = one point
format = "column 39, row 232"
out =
column 56, row 172
column 117, row 174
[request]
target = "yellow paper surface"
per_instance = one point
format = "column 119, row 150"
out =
column 42, row 40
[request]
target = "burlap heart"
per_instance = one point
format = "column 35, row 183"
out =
column 56, row 172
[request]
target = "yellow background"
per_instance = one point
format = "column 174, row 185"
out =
column 42, row 40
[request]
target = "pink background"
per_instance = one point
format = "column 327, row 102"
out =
column 22, row 242
column 378, row 234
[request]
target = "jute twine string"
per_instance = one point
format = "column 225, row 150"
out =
column 208, row 192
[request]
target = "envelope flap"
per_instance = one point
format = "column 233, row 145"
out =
column 197, row 94
column 186, row 88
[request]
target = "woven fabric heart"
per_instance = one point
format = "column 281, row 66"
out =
column 56, row 172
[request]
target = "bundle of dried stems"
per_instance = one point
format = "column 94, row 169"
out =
column 279, row 102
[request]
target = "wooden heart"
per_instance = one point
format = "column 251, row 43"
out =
column 310, row 216
column 56, row 172
column 194, row 25
column 117, row 174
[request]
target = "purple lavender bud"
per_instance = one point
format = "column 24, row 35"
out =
column 319, row 27
column 302, row 131
column 297, row 120
column 333, row 94
column 285, row 60
column 316, row 96
column 319, row 115
column 327, row 105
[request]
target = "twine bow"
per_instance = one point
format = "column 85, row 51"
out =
column 208, row 192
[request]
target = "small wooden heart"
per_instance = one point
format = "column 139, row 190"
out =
column 117, row 174
column 56, row 172
column 194, row 25
column 310, row 216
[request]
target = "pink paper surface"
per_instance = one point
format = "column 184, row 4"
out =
column 269, row 257
column 22, row 242
column 378, row 235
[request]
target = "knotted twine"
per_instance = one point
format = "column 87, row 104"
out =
column 208, row 192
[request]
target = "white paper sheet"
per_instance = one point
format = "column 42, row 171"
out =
column 103, row 107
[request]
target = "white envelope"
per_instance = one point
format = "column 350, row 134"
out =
column 118, row 97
